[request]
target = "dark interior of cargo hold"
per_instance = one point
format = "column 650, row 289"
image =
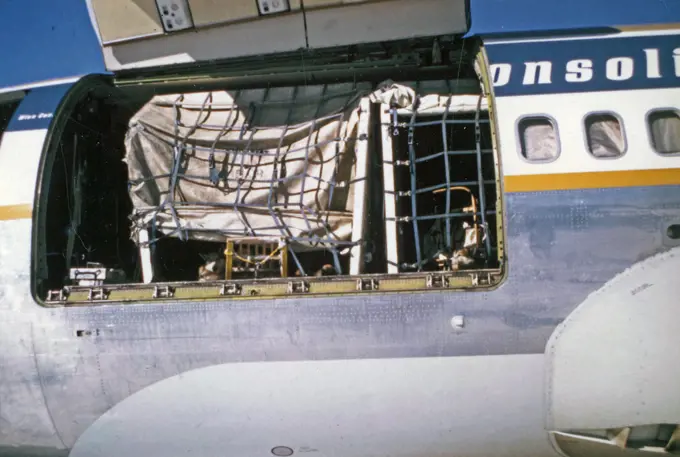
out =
column 453, row 171
column 444, row 172
column 8, row 104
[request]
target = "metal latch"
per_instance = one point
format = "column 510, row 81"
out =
column 298, row 287
column 437, row 281
column 57, row 295
column 98, row 293
column 230, row 289
column 478, row 280
column 367, row 284
column 163, row 292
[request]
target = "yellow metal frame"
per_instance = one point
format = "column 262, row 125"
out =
column 235, row 252
column 483, row 68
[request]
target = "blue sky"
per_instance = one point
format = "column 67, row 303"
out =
column 45, row 39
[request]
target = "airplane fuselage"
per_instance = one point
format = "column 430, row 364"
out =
column 576, row 338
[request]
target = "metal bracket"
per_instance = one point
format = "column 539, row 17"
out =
column 437, row 281
column 395, row 123
column 57, row 295
column 478, row 280
column 98, row 293
column 163, row 292
column 298, row 287
column 367, row 284
column 231, row 289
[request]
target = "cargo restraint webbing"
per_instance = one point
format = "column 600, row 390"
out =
column 448, row 185
column 317, row 232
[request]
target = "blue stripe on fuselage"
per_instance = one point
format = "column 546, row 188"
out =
column 585, row 65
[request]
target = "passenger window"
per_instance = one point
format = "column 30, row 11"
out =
column 664, row 130
column 538, row 139
column 604, row 134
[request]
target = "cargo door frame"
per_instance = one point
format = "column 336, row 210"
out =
column 288, row 287
column 482, row 67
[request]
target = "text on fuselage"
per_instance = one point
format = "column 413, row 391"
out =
column 584, row 70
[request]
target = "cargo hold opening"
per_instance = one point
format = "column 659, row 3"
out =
column 307, row 186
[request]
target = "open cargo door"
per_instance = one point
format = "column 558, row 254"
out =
column 137, row 34
column 256, row 171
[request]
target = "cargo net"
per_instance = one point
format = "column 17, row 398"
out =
column 274, row 163
column 444, row 195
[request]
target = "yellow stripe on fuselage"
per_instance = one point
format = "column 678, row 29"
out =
column 513, row 184
column 592, row 180
column 12, row 212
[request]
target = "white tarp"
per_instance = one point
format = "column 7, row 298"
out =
column 284, row 160
column 404, row 97
column 283, row 163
